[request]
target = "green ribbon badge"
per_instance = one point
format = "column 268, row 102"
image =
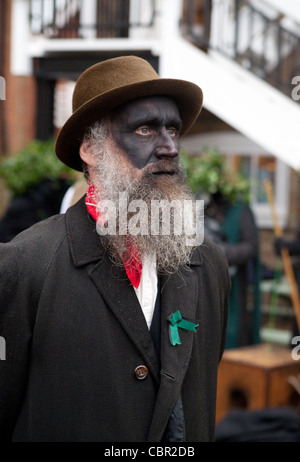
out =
column 176, row 320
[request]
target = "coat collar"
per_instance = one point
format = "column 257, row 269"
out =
column 85, row 245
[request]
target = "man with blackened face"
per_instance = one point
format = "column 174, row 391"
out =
column 117, row 327
column 135, row 149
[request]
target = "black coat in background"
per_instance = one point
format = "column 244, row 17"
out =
column 24, row 210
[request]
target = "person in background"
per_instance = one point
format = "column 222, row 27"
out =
column 231, row 224
column 35, row 181
column 39, row 202
column 114, row 335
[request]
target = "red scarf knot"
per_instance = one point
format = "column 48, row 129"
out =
column 133, row 263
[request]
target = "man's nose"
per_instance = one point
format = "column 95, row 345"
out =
column 166, row 146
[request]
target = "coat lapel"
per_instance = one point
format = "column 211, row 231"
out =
column 119, row 295
column 111, row 281
column 179, row 292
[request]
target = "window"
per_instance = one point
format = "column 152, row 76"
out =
column 256, row 164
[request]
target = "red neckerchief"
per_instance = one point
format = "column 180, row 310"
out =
column 133, row 266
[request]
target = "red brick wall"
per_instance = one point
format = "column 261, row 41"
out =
column 20, row 111
column 17, row 111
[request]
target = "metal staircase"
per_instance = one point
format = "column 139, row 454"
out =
column 246, row 57
column 252, row 33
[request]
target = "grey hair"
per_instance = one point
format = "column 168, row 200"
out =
column 97, row 133
column 95, row 136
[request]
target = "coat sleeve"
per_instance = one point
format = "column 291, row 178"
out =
column 16, row 323
column 216, row 285
column 23, row 266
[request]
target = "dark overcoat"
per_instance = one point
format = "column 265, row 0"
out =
column 75, row 333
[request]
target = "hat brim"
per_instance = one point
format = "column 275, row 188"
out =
column 187, row 96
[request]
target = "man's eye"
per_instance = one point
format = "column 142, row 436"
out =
column 143, row 131
column 172, row 131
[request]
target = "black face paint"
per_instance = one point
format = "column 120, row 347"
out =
column 147, row 130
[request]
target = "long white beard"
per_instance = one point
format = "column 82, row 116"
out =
column 137, row 221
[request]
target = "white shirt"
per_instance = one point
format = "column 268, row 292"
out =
column 147, row 290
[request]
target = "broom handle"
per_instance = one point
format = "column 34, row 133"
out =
column 286, row 259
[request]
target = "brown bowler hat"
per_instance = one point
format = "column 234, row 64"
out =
column 108, row 84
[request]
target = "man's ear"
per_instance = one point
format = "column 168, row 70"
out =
column 86, row 154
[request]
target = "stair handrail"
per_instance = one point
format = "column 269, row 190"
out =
column 285, row 42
